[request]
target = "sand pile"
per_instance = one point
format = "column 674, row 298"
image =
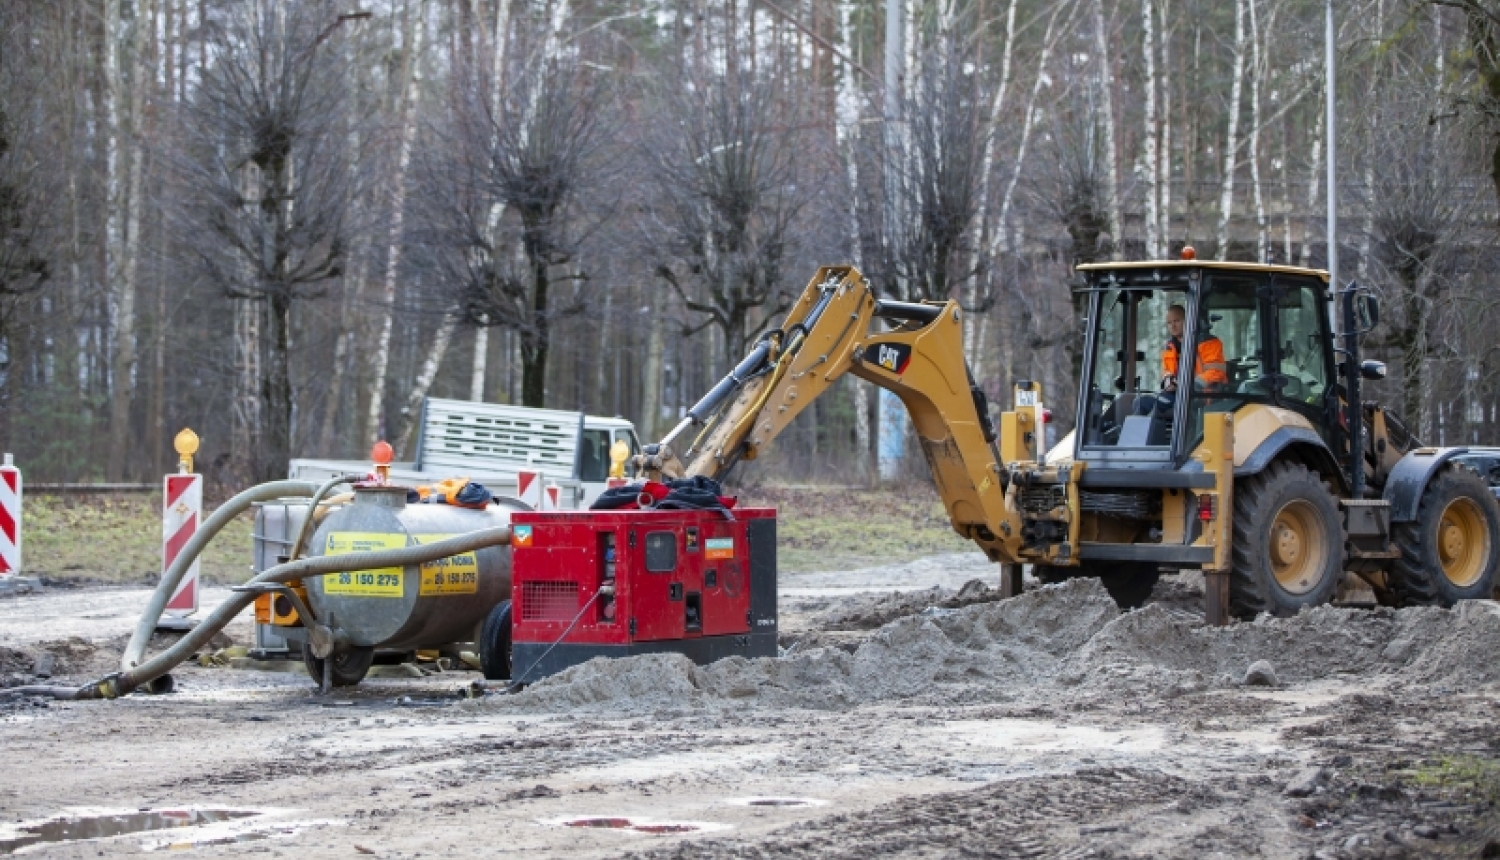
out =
column 870, row 613
column 1153, row 645
column 1069, row 635
column 958, row 654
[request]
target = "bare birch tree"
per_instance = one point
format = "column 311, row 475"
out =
column 533, row 161
column 1232, row 136
column 732, row 174
column 411, row 79
column 269, row 214
column 927, row 254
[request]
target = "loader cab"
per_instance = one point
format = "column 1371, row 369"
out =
column 1238, row 334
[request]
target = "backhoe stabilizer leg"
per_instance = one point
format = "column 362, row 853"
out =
column 1010, row 581
column 1216, row 597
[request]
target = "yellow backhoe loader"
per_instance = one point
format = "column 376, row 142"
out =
column 1252, row 458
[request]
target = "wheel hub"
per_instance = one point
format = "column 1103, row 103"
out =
column 1286, row 548
column 1296, row 547
column 1463, row 542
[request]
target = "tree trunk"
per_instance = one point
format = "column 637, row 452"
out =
column 481, row 362
column 652, row 373
column 246, row 425
column 276, row 443
column 1231, row 141
column 1111, row 150
column 413, row 411
column 535, row 341
column 1262, row 232
column 1314, row 185
column 847, row 131
column 159, row 347
column 121, row 304
column 382, row 357
column 1049, row 41
column 497, row 77
column 1148, row 137
column 1164, row 167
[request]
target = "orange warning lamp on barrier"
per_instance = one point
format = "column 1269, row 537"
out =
column 382, row 454
column 1189, row 252
column 186, row 444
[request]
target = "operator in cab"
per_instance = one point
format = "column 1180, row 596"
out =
column 1210, row 371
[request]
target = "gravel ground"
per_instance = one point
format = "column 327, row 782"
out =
column 911, row 716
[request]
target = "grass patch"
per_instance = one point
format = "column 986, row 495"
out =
column 116, row 538
column 1468, row 776
column 834, row 528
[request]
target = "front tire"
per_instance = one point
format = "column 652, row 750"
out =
column 1452, row 549
column 1288, row 551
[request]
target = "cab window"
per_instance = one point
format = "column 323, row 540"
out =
column 1229, row 312
column 593, row 456
column 1300, row 315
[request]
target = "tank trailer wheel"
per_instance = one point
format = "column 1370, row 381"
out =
column 1288, row 542
column 348, row 669
column 494, row 643
column 1450, row 553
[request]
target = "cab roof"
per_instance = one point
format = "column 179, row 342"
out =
column 1205, row 264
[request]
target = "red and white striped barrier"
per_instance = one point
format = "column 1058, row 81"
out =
column 529, row 488
column 552, row 501
column 182, row 510
column 10, row 518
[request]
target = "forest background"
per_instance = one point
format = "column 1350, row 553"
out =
column 285, row 222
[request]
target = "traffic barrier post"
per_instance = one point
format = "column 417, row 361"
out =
column 10, row 518
column 182, row 513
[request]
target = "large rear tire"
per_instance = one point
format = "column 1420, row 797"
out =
column 1288, row 551
column 349, row 668
column 1452, row 550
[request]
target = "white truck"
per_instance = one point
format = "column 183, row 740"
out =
column 491, row 443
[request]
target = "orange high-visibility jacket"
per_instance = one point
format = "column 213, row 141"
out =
column 1211, row 368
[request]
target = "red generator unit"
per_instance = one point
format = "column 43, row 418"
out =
column 615, row 583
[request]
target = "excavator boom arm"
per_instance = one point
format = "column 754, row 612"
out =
column 825, row 335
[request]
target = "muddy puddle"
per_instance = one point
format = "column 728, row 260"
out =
column 625, row 824
column 165, row 828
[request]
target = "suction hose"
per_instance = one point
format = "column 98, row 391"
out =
column 134, row 677
column 135, row 651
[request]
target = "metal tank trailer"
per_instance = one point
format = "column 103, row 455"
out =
column 437, row 605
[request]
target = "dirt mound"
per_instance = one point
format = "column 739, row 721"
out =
column 1069, row 634
column 953, row 654
column 62, row 657
column 647, row 680
column 869, row 613
column 1318, row 643
column 1458, row 653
